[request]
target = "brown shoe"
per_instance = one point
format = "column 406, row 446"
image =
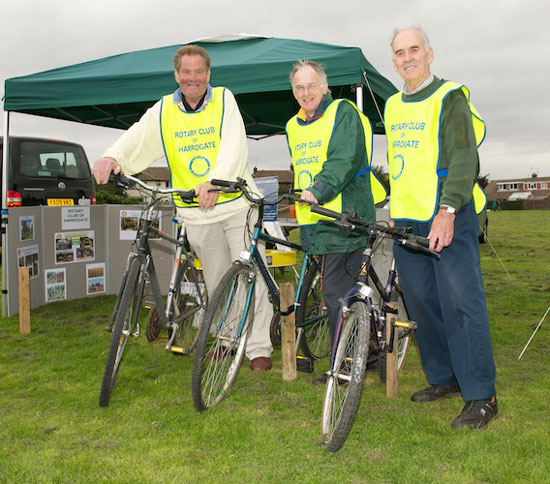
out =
column 262, row 363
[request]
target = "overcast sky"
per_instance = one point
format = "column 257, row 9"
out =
column 500, row 49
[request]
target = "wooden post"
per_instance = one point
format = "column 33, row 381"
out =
column 24, row 301
column 288, row 333
column 392, row 388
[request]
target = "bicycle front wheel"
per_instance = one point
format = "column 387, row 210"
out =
column 126, row 314
column 222, row 337
column 345, row 381
column 312, row 315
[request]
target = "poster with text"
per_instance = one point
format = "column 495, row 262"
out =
column 28, row 257
column 95, row 278
column 55, row 283
column 74, row 246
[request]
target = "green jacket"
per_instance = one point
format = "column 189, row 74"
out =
column 346, row 155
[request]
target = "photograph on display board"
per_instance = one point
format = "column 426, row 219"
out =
column 55, row 284
column 28, row 257
column 26, row 228
column 130, row 220
column 74, row 246
column 95, row 278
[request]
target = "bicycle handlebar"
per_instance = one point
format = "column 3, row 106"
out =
column 126, row 181
column 350, row 221
column 241, row 186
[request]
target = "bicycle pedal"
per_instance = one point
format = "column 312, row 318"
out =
column 411, row 325
column 304, row 364
column 148, row 303
column 177, row 350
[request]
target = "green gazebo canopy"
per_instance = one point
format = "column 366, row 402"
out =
column 115, row 91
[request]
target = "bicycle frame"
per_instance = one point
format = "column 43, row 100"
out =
column 148, row 273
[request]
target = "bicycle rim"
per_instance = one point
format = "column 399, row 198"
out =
column 192, row 302
column 345, row 382
column 313, row 317
column 222, row 338
column 125, row 314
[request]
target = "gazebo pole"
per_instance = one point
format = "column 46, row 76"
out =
column 4, row 216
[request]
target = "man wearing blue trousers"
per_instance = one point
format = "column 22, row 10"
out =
column 433, row 132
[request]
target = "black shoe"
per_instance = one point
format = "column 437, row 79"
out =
column 435, row 392
column 476, row 414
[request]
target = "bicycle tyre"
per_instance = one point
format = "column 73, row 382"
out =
column 220, row 346
column 403, row 336
column 345, row 381
column 275, row 328
column 121, row 331
column 315, row 341
column 188, row 328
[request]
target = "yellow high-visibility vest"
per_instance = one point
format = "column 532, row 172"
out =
column 191, row 141
column 309, row 146
column 412, row 130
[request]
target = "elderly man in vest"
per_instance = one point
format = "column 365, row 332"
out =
column 201, row 132
column 433, row 132
column 330, row 142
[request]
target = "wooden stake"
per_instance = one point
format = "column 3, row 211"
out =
column 24, row 301
column 288, row 333
column 392, row 388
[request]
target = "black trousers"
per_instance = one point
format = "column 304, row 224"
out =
column 339, row 276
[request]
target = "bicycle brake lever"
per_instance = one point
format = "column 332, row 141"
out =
column 120, row 180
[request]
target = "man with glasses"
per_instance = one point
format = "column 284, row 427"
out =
column 201, row 132
column 330, row 142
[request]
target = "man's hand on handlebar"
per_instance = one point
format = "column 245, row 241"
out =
column 103, row 167
column 207, row 195
column 308, row 198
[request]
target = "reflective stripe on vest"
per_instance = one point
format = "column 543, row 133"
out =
column 413, row 130
column 191, row 141
column 309, row 146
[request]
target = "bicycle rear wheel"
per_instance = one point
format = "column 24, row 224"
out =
column 194, row 302
column 345, row 381
column 222, row 337
column 126, row 316
column 312, row 315
column 191, row 301
column 403, row 335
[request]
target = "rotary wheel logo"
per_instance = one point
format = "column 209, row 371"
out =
column 305, row 179
column 398, row 166
column 199, row 166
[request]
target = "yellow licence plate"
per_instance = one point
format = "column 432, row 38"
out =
column 60, row 201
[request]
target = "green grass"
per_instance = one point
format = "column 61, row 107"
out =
column 52, row 429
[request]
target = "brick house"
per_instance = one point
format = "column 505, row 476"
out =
column 533, row 192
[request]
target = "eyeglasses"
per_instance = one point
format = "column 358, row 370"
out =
column 309, row 87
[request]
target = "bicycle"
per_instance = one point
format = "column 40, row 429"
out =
column 360, row 337
column 177, row 314
column 227, row 321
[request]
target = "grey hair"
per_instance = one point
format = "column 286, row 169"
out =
column 411, row 27
column 316, row 66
